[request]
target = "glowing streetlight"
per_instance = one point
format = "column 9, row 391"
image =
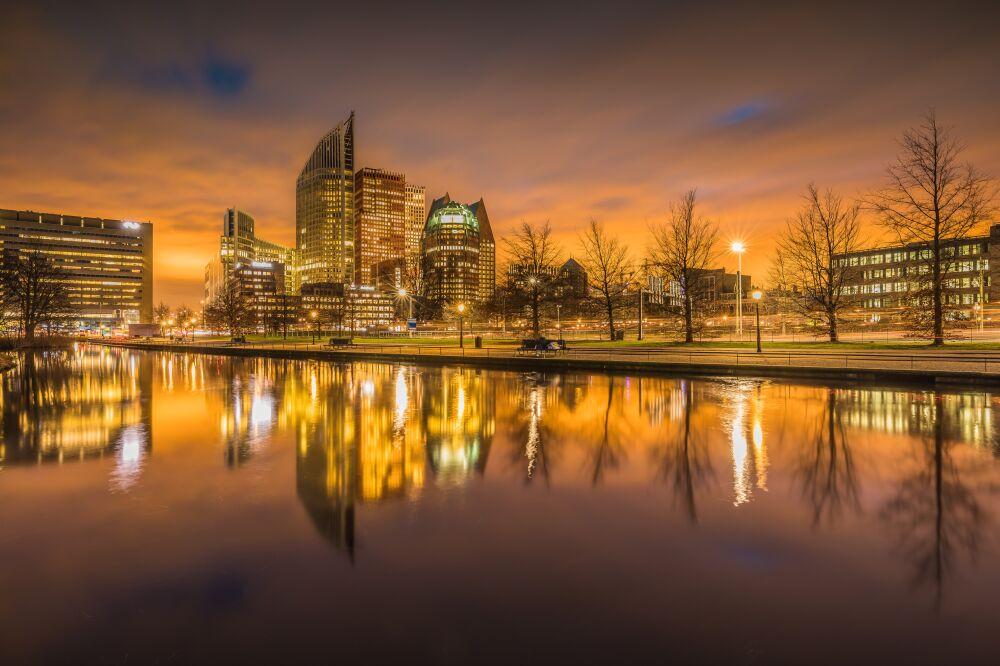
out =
column 739, row 248
column 403, row 294
column 757, row 295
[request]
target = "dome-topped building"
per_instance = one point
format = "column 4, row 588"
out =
column 459, row 254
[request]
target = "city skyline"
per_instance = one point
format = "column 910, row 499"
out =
column 172, row 124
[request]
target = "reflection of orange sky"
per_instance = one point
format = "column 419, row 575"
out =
column 553, row 129
column 190, row 514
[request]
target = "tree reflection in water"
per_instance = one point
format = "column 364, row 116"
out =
column 827, row 468
column 609, row 451
column 684, row 462
column 934, row 517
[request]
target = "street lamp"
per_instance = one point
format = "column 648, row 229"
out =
column 739, row 249
column 461, row 325
column 315, row 317
column 402, row 294
column 559, row 319
column 757, row 295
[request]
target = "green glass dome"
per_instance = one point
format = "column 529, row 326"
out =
column 453, row 214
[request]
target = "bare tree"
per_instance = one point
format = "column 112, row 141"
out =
column 609, row 269
column 682, row 248
column 932, row 198
column 34, row 290
column 535, row 256
column 231, row 309
column 183, row 315
column 161, row 314
column 809, row 253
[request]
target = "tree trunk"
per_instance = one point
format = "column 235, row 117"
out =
column 834, row 336
column 611, row 317
column 536, row 327
column 688, row 318
column 938, row 297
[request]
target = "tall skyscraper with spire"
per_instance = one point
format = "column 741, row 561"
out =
column 324, row 209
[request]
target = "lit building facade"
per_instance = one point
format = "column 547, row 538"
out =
column 324, row 209
column 108, row 264
column 347, row 307
column 458, row 253
column 380, row 220
column 887, row 278
column 416, row 215
column 239, row 245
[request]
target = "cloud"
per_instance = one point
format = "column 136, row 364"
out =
column 174, row 112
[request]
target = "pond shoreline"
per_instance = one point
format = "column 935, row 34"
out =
column 851, row 375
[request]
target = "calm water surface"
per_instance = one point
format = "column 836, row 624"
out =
column 169, row 508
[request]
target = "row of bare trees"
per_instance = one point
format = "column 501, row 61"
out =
column 682, row 247
column 931, row 199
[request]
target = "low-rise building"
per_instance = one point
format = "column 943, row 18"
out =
column 346, row 307
column 888, row 278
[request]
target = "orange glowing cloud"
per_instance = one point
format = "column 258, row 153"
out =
column 611, row 113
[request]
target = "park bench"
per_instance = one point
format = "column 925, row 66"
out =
column 237, row 340
column 339, row 342
column 541, row 347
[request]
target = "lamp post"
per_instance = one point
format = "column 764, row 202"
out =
column 461, row 325
column 315, row 318
column 403, row 294
column 559, row 320
column 757, row 295
column 739, row 248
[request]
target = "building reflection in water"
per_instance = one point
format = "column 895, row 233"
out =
column 367, row 433
column 64, row 406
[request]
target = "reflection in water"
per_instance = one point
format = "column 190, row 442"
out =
column 750, row 463
column 360, row 438
column 61, row 406
column 827, row 468
column 935, row 516
column 369, row 433
column 684, row 463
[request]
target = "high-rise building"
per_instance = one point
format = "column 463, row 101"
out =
column 108, row 264
column 487, row 252
column 458, row 253
column 416, row 215
column 324, row 209
column 239, row 245
column 379, row 220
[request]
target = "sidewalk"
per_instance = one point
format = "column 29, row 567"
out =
column 926, row 367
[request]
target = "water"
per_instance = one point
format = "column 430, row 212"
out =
column 168, row 508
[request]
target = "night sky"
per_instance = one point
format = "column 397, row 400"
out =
column 172, row 111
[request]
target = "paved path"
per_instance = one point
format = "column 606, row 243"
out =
column 918, row 365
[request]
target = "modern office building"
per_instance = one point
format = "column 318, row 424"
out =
column 416, row 215
column 324, row 209
column 108, row 264
column 886, row 278
column 240, row 245
column 487, row 252
column 379, row 220
column 354, row 307
column 458, row 253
